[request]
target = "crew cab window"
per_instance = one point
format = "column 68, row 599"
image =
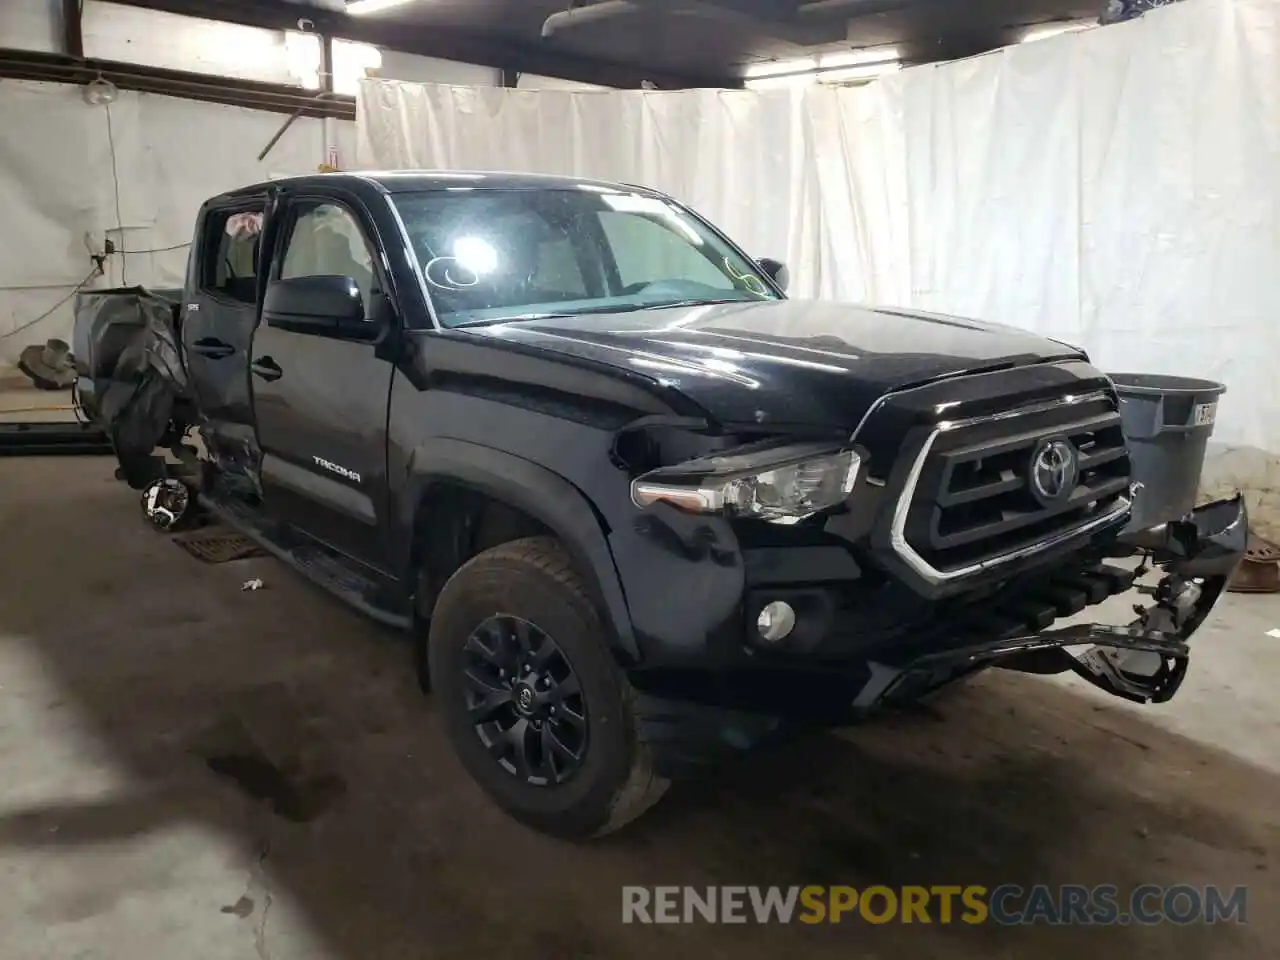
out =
column 230, row 267
column 492, row 255
column 326, row 241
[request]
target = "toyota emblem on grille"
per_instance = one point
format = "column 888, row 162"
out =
column 1054, row 469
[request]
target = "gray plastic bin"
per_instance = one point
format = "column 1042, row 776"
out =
column 1167, row 423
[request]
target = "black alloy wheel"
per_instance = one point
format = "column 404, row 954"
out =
column 531, row 695
column 525, row 700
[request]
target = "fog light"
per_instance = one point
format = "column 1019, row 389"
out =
column 776, row 621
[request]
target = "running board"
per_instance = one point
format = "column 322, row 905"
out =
column 351, row 582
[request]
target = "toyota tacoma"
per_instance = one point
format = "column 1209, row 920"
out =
column 638, row 509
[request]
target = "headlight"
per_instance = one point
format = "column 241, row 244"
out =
column 780, row 484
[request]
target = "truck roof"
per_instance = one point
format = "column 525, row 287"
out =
column 411, row 181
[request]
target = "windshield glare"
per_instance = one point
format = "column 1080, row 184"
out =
column 494, row 255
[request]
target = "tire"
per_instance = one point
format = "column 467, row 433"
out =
column 529, row 587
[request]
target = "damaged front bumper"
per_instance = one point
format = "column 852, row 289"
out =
column 1144, row 662
column 692, row 719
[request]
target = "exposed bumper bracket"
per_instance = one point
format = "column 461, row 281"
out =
column 1144, row 662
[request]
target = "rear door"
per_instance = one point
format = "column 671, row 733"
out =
column 320, row 399
column 220, row 312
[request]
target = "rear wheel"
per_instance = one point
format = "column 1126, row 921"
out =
column 532, row 700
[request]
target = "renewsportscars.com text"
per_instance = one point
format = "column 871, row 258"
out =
column 1008, row 905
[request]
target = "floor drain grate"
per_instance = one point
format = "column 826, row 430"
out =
column 220, row 546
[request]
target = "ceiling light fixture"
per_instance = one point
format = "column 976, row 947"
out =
column 100, row 92
column 1047, row 30
column 842, row 75
column 823, row 61
column 358, row 8
column 853, row 74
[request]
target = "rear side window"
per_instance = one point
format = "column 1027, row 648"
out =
column 230, row 268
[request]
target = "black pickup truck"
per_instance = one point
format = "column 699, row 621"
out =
column 637, row 508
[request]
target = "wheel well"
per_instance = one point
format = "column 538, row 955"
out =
column 452, row 525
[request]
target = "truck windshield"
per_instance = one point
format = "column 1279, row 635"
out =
column 490, row 256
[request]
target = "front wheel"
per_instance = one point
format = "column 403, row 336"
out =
column 532, row 700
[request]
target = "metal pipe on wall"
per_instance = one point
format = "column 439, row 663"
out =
column 853, row 8
column 576, row 16
column 279, row 98
column 788, row 34
column 445, row 43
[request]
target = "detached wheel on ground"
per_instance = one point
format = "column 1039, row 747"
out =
column 532, row 700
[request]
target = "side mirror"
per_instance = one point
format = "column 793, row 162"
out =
column 324, row 306
column 777, row 271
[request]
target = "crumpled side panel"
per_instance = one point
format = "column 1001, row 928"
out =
column 111, row 322
column 127, row 345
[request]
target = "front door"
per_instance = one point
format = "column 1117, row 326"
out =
column 321, row 400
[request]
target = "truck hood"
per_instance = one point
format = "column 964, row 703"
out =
column 786, row 361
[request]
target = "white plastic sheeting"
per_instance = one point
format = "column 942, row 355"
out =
column 58, row 191
column 56, row 183
column 1115, row 187
column 748, row 160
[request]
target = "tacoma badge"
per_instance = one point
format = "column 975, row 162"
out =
column 337, row 468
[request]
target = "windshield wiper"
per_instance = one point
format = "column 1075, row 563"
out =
column 554, row 314
column 692, row 302
column 588, row 311
column 514, row 318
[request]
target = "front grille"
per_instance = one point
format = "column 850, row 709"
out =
column 976, row 498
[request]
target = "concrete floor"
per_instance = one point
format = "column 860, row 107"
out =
column 145, row 700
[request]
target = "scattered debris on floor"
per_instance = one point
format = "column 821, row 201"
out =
column 1259, row 572
column 218, row 545
column 50, row 365
column 254, row 584
column 169, row 504
column 241, row 908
